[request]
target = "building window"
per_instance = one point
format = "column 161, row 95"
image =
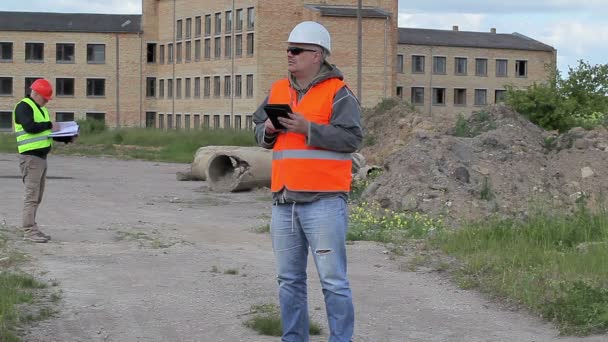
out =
column 6, row 51
column 500, row 95
column 237, row 85
column 249, row 44
column 178, row 121
column 96, row 53
column 96, row 87
column 178, row 52
column 6, row 86
column 170, row 53
column 501, row 67
column 237, row 122
column 439, row 65
column 65, row 53
column 228, row 46
column 228, row 22
column 418, row 95
column 460, row 66
column 151, row 86
column 197, row 121
column 399, row 92
column 218, row 23
column 178, row 30
column 151, row 53
column 197, row 87
column 400, row 64
column 481, row 97
column 227, row 86
column 64, row 116
column 238, row 45
column 161, row 121
column 64, row 86
column 188, row 87
column 187, row 121
column 169, row 88
column 178, row 88
column 218, row 47
column 250, row 18
column 226, row 121
column 481, row 67
column 197, row 50
column 207, row 25
column 418, row 64
column 161, row 89
column 161, row 54
column 460, row 97
column 188, row 51
column 96, row 116
column 521, row 68
column 216, row 121
column 34, row 52
column 169, row 121
column 28, row 84
column 150, row 119
column 249, row 122
column 207, row 87
column 6, row 121
column 207, row 48
column 239, row 20
column 197, row 26
column 206, row 121
column 188, row 28
column 438, row 96
column 249, row 85
column 216, row 86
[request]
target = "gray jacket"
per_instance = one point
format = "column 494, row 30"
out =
column 343, row 134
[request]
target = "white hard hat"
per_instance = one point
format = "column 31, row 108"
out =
column 310, row 32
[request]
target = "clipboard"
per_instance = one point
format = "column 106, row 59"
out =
column 274, row 111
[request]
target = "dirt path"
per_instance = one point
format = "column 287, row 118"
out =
column 133, row 250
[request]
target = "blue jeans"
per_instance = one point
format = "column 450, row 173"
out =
column 321, row 225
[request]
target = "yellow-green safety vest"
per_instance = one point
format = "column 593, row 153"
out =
column 27, row 141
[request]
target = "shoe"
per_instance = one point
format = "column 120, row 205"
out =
column 34, row 236
column 35, row 227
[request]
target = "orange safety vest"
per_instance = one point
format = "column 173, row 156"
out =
column 297, row 166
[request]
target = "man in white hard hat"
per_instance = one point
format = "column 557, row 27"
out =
column 311, row 176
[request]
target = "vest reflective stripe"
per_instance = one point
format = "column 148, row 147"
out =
column 297, row 166
column 26, row 141
column 310, row 154
column 31, row 140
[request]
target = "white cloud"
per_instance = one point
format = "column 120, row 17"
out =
column 444, row 21
column 504, row 7
column 76, row 6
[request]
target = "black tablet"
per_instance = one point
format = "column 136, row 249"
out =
column 274, row 111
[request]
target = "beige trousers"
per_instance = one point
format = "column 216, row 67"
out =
column 33, row 173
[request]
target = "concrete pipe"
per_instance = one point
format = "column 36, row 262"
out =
column 198, row 168
column 239, row 169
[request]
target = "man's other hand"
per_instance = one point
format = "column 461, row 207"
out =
column 297, row 123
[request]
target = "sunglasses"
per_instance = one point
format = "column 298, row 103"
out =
column 298, row 50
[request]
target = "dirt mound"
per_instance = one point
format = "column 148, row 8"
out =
column 500, row 163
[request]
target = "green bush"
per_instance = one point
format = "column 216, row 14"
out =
column 91, row 126
column 581, row 99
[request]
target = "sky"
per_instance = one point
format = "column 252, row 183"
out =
column 578, row 29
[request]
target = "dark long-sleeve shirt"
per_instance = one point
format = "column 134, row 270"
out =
column 24, row 115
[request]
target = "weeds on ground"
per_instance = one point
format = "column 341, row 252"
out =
column 478, row 123
column 486, row 192
column 370, row 222
column 267, row 321
column 263, row 228
column 359, row 186
column 554, row 265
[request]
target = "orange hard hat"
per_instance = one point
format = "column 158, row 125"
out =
column 43, row 88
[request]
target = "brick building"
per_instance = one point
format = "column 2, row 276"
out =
column 447, row 72
column 203, row 63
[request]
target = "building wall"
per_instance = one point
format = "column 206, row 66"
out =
column 537, row 63
column 126, row 62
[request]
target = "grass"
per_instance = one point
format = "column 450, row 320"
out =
column 176, row 146
column 263, row 228
column 553, row 265
column 267, row 321
column 231, row 271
